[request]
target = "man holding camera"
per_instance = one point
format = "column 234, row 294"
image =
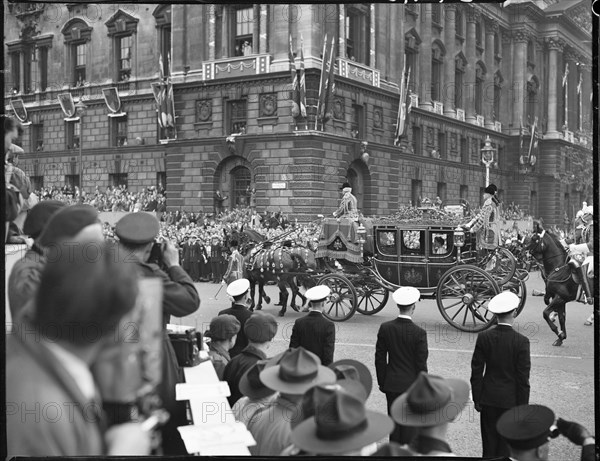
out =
column 528, row 429
column 137, row 233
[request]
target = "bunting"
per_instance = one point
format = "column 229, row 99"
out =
column 295, row 93
column 404, row 106
column 302, row 80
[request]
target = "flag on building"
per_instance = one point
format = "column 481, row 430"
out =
column 302, row 80
column 533, row 143
column 404, row 107
column 328, row 106
column 165, row 101
column 327, row 86
column 322, row 80
column 564, row 80
column 294, row 93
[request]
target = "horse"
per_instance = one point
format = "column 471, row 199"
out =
column 286, row 266
column 561, row 285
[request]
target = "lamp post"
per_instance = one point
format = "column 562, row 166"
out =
column 487, row 157
column 80, row 110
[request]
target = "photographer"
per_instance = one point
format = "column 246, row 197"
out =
column 528, row 429
column 137, row 233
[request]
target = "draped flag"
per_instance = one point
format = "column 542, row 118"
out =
column 322, row 80
column 564, row 80
column 327, row 88
column 163, row 94
column 295, row 96
column 302, row 80
column 404, row 107
column 533, row 143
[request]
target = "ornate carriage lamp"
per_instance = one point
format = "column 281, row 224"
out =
column 487, row 158
column 459, row 240
column 362, row 232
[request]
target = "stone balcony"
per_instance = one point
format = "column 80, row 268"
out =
column 238, row 66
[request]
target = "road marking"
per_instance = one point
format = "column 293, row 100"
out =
column 464, row 351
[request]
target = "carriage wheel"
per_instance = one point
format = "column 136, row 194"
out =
column 342, row 303
column 504, row 267
column 463, row 294
column 372, row 297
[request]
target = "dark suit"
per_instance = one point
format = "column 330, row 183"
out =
column 242, row 313
column 504, row 354
column 400, row 354
column 316, row 334
column 236, row 368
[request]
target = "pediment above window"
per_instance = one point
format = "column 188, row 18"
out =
column 121, row 23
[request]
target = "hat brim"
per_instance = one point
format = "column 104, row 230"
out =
column 366, row 379
column 405, row 416
column 304, row 436
column 270, row 378
column 251, row 392
column 501, row 310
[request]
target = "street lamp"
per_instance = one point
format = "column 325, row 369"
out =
column 80, row 108
column 487, row 157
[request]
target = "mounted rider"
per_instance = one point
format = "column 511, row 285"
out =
column 486, row 222
column 585, row 247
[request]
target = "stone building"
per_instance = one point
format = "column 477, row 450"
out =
column 476, row 71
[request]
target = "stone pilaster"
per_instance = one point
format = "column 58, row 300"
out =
column 473, row 16
column 520, row 38
column 491, row 28
column 448, row 89
column 554, row 46
column 425, row 58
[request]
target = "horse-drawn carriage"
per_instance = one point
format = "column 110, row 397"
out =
column 363, row 262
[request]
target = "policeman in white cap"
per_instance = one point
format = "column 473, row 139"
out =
column 239, row 290
column 400, row 355
column 314, row 332
column 499, row 372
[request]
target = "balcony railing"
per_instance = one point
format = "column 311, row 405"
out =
column 237, row 66
column 460, row 115
column 359, row 72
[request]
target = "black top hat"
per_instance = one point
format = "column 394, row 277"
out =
column 346, row 184
column 491, row 189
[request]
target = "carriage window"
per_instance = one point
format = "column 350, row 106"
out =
column 440, row 244
column 386, row 241
column 411, row 242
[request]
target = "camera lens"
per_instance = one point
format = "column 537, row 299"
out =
column 554, row 432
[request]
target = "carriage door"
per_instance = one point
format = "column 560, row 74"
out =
column 413, row 258
column 441, row 252
column 386, row 253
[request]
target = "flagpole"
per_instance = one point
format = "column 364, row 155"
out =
column 324, row 59
column 566, row 85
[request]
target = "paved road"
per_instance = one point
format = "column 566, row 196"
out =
column 561, row 377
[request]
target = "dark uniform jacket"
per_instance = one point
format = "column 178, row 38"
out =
column 24, row 280
column 36, row 380
column 242, row 313
column 316, row 334
column 400, row 354
column 236, row 368
column 504, row 354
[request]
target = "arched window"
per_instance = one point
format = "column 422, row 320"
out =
column 460, row 65
column 459, row 23
column 240, row 181
column 533, row 85
column 479, row 79
column 77, row 35
column 437, row 68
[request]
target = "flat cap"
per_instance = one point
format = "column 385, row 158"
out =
column 503, row 302
column 39, row 215
column 238, row 287
column 318, row 293
column 68, row 222
column 405, row 296
column 260, row 327
column 526, row 426
column 137, row 228
column 223, row 327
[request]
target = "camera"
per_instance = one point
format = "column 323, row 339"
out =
column 157, row 252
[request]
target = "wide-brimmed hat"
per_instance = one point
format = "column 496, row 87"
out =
column 297, row 371
column 341, row 424
column 349, row 369
column 503, row 302
column 430, row 401
column 250, row 384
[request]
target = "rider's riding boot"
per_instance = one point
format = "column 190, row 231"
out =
column 582, row 274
